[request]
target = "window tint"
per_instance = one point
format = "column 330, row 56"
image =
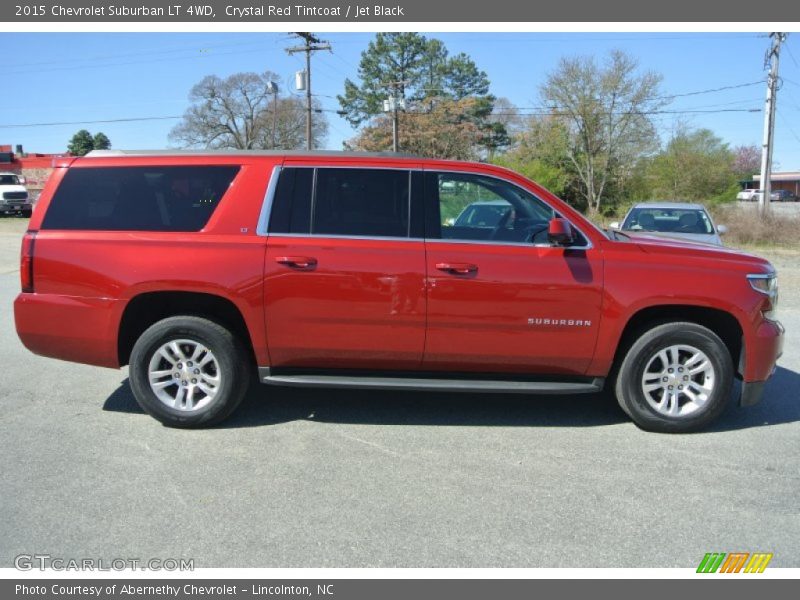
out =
column 291, row 206
column 138, row 198
column 364, row 202
column 472, row 207
column 668, row 220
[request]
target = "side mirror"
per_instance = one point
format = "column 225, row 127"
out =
column 22, row 180
column 722, row 229
column 559, row 232
column 613, row 225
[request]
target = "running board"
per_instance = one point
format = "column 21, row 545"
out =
column 589, row 386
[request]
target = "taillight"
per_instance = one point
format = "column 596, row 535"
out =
column 26, row 261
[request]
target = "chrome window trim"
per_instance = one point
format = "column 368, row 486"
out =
column 417, row 239
column 323, row 236
column 262, row 228
column 266, row 208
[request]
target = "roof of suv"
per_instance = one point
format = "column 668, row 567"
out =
column 195, row 152
column 686, row 205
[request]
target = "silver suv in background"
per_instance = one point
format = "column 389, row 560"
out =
column 672, row 219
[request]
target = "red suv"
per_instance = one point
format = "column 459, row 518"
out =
column 201, row 269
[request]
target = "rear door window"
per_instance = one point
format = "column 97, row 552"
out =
column 157, row 198
column 361, row 202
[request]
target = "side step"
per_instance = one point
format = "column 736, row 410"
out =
column 589, row 386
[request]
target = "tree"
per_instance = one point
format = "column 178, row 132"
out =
column 539, row 152
column 81, row 143
column 441, row 132
column 420, row 73
column 243, row 113
column 101, row 141
column 694, row 165
column 746, row 161
column 606, row 110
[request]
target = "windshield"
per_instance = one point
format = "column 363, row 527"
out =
column 482, row 215
column 668, row 220
column 8, row 179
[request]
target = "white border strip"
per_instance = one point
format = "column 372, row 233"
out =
column 447, row 573
column 371, row 27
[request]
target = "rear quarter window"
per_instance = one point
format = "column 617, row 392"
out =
column 153, row 198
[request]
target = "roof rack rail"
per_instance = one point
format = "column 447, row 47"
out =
column 232, row 152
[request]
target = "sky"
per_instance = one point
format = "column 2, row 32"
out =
column 83, row 77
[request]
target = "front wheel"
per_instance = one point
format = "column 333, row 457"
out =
column 189, row 372
column 675, row 378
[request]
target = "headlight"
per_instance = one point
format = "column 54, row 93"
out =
column 767, row 284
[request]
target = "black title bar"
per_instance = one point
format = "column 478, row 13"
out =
column 403, row 11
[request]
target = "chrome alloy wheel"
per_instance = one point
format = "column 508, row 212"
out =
column 184, row 375
column 678, row 380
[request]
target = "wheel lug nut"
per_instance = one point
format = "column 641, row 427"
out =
column 680, row 387
column 197, row 371
column 670, row 387
column 194, row 380
column 664, row 379
column 189, row 364
column 680, row 369
column 180, row 366
column 669, row 370
column 184, row 383
column 686, row 378
column 177, row 375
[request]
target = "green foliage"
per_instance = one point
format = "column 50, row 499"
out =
column 101, row 141
column 421, row 72
column 549, row 176
column 695, row 165
column 81, row 143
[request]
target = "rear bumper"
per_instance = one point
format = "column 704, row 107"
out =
column 68, row 327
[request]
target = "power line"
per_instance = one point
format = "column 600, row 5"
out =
column 712, row 90
column 339, row 111
column 789, row 127
column 123, row 120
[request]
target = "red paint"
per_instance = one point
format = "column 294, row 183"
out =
column 331, row 302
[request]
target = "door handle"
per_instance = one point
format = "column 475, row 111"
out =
column 297, row 262
column 457, row 268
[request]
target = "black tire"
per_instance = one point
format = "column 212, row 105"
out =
column 232, row 365
column 629, row 384
column 27, row 213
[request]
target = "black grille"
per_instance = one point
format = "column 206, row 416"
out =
column 15, row 195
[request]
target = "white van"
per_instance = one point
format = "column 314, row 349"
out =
column 14, row 198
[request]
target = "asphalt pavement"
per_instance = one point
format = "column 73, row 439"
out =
column 315, row 478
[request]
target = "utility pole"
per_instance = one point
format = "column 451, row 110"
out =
column 393, row 104
column 312, row 44
column 272, row 88
column 773, row 54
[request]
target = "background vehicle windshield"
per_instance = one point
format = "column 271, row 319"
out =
column 668, row 220
column 9, row 180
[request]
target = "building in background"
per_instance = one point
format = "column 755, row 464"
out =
column 787, row 180
column 34, row 167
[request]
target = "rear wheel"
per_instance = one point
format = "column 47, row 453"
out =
column 189, row 372
column 676, row 377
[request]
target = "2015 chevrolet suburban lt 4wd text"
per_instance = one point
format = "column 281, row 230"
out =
column 200, row 270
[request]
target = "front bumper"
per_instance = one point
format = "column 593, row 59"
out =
column 761, row 361
column 11, row 207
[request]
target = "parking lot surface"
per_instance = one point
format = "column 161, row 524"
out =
column 316, row 478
